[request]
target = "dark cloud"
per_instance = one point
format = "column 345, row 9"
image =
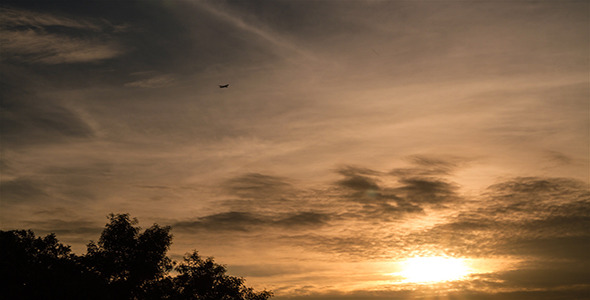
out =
column 82, row 228
column 69, row 229
column 357, row 171
column 22, row 189
column 5, row 167
column 359, row 183
column 567, row 248
column 358, row 179
column 247, row 221
column 535, row 186
column 548, row 278
column 559, row 158
column 152, row 81
column 467, row 294
column 263, row 201
column 404, row 194
column 547, row 274
column 266, row 270
column 303, row 219
column 99, row 43
column 429, row 165
column 234, row 221
column 81, row 170
column 431, row 161
column 257, row 185
column 355, row 295
column 60, row 180
column 28, row 119
column 361, row 240
column 566, row 219
column 529, row 218
column 427, row 191
column 37, row 37
column 274, row 200
column 540, row 202
column 157, row 187
column 388, row 210
column 524, row 217
column 425, row 183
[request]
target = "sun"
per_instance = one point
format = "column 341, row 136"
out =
column 433, row 269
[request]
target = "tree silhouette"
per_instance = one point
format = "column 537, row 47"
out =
column 42, row 268
column 203, row 279
column 128, row 260
column 125, row 264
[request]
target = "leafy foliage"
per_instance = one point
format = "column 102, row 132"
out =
column 125, row 264
column 203, row 279
column 128, row 260
column 42, row 268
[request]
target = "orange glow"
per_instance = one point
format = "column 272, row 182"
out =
column 433, row 269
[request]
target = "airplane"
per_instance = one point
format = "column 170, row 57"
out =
column 224, row 86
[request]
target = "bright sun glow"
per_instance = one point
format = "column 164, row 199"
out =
column 433, row 269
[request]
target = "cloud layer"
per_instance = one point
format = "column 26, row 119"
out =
column 352, row 136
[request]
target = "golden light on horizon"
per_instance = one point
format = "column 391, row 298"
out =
column 433, row 269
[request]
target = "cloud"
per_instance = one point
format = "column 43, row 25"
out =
column 407, row 192
column 28, row 119
column 547, row 189
column 529, row 218
column 377, row 203
column 248, row 221
column 575, row 293
column 430, row 165
column 46, row 48
column 303, row 219
column 522, row 217
column 567, row 248
column 546, row 274
column 257, row 185
column 266, row 34
column 262, row 194
column 357, row 179
column 354, row 244
column 559, row 158
column 266, row 270
column 22, row 189
column 48, row 39
column 23, row 18
column 155, row 81
column 80, row 228
column 233, row 221
column 427, row 191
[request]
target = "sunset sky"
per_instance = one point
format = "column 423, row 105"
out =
column 357, row 141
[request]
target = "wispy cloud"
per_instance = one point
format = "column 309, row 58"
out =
column 12, row 17
column 41, row 38
column 274, row 39
column 249, row 221
column 154, row 81
column 30, row 119
column 257, row 185
column 38, row 47
column 22, row 189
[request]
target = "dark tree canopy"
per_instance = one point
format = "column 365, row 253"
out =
column 203, row 279
column 127, row 259
column 42, row 268
column 126, row 263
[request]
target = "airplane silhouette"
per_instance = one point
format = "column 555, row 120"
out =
column 224, row 86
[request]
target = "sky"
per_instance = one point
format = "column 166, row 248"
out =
column 355, row 138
